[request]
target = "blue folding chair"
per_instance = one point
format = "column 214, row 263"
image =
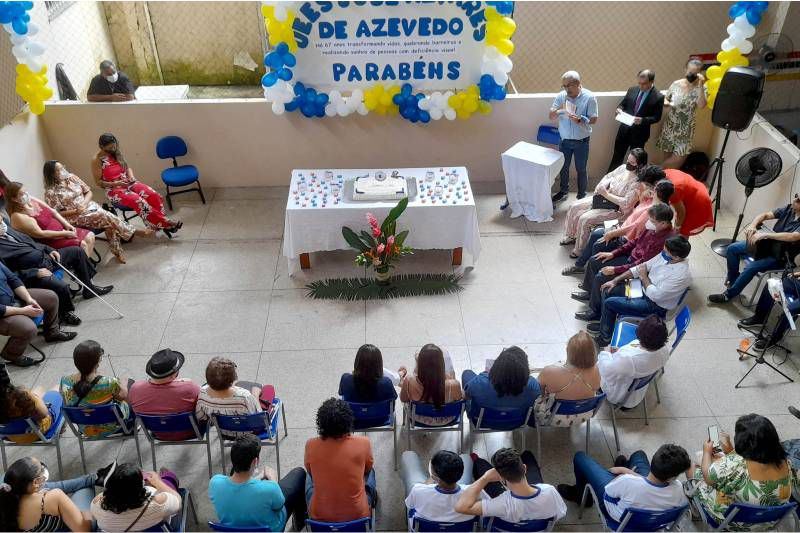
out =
column 100, row 415
column 21, row 426
column 180, row 422
column 624, row 333
column 548, row 134
column 488, row 420
column 177, row 523
column 454, row 410
column 376, row 417
column 633, row 519
column 569, row 407
column 172, row 147
column 216, row 526
column 498, row 524
column 421, row 524
column 362, row 524
column 263, row 425
column 682, row 321
column 637, row 384
column 746, row 515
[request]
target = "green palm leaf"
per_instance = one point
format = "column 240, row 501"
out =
column 358, row 289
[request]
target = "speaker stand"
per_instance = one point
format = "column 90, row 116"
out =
column 717, row 165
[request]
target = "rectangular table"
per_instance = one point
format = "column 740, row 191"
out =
column 530, row 171
column 314, row 221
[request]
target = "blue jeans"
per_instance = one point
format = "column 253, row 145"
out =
column 80, row 490
column 737, row 252
column 593, row 247
column 588, row 471
column 580, row 149
column 615, row 306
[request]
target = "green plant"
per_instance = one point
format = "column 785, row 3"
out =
column 359, row 289
column 382, row 246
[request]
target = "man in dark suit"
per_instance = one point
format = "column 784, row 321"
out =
column 645, row 103
column 35, row 264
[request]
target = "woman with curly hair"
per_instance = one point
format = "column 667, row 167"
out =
column 16, row 402
column 344, row 489
column 133, row 500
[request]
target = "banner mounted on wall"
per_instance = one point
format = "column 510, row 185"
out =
column 382, row 52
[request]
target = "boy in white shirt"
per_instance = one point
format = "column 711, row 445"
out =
column 520, row 497
column 632, row 483
column 434, row 498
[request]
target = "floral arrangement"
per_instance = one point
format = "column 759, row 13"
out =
column 381, row 247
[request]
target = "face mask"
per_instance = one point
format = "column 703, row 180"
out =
column 630, row 168
column 3, row 227
column 650, row 225
column 63, row 173
column 691, row 77
column 666, row 256
column 113, row 78
column 26, row 199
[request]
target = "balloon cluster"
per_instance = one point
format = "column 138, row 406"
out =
column 341, row 106
column 504, row 8
column 279, row 60
column 380, row 99
column 437, row 107
column 499, row 30
column 490, row 90
column 32, row 87
column 408, row 104
column 308, row 101
column 278, row 21
column 16, row 14
column 465, row 103
column 745, row 15
column 496, row 64
column 280, row 94
column 31, row 82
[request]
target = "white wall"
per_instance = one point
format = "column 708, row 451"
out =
column 23, row 151
column 242, row 143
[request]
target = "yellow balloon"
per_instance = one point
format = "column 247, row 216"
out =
column 463, row 115
column 471, row 105
column 710, row 100
column 713, row 85
column 37, row 107
column 738, row 61
column 491, row 14
column 505, row 47
column 484, row 107
column 507, row 25
column 714, row 72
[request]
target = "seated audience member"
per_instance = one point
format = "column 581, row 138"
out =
column 221, row 396
column 791, row 288
column 112, row 173
column 88, row 388
column 111, row 85
column 29, row 502
column 165, row 393
column 430, row 383
column 344, row 489
column 432, row 493
column 632, row 483
column 251, row 498
column 578, row 379
column 755, row 470
column 785, row 236
column 640, row 358
column 72, row 198
column 43, row 223
column 691, row 202
column 600, row 240
column 614, row 197
column 507, row 385
column 18, row 307
column 35, row 263
column 514, row 483
column 133, row 500
column 16, row 402
column 605, row 265
column 664, row 279
column 367, row 383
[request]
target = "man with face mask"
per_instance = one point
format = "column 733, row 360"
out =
column 646, row 104
column 664, row 280
column 111, row 85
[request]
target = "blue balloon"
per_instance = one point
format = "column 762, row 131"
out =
column 269, row 79
column 19, row 26
column 282, row 48
column 503, row 8
column 736, row 10
column 424, row 117
column 283, row 74
column 489, row 89
column 289, row 60
column 753, row 16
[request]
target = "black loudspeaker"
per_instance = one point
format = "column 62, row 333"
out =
column 738, row 98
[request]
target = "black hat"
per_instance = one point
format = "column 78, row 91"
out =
column 164, row 363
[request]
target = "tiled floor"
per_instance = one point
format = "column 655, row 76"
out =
column 221, row 287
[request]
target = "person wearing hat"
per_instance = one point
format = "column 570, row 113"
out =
column 165, row 393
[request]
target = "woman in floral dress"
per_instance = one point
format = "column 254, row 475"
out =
column 72, row 198
column 754, row 470
column 684, row 97
column 112, row 173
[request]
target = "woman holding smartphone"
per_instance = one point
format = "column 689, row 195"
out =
column 684, row 97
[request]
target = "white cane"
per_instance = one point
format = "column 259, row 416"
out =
column 87, row 288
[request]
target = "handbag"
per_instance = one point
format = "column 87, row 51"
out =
column 543, row 408
column 601, row 202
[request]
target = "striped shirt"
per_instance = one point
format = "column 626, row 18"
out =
column 240, row 402
column 153, row 515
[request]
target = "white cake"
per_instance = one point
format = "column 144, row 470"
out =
column 380, row 187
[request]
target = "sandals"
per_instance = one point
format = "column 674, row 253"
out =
column 566, row 241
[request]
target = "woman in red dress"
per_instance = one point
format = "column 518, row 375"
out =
column 43, row 223
column 112, row 173
column 691, row 202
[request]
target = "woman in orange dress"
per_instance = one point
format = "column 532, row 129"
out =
column 691, row 203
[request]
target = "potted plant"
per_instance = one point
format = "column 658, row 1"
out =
column 381, row 247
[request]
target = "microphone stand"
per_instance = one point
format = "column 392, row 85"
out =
column 772, row 342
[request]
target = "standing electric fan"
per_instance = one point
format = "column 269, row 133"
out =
column 755, row 169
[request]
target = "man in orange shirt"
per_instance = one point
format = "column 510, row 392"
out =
column 340, row 486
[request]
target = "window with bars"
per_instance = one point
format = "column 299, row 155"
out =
column 54, row 9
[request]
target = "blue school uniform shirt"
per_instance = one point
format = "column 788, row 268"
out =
column 480, row 393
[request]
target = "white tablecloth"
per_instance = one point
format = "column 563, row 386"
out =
column 439, row 225
column 162, row 92
column 530, row 171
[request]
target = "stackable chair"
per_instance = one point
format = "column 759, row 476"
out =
column 376, row 417
column 172, row 147
column 215, row 526
column 50, row 438
column 421, row 524
column 362, row 524
column 178, row 522
column 454, row 410
column 488, row 420
column 569, row 407
column 745, row 516
column 497, row 524
column 635, row 519
column 153, row 424
column 548, row 134
column 98, row 415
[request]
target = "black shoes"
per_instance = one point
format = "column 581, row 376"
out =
column 503, row 207
column 586, row 316
column 581, row 296
column 721, row 298
column 601, row 342
column 581, row 195
column 621, row 460
column 593, row 327
column 572, row 270
column 751, row 321
column 573, row 494
column 100, row 290
column 559, row 196
column 60, row 336
column 71, row 319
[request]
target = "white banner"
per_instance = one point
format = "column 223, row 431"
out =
column 348, row 45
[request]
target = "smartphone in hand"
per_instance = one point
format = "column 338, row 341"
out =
column 713, row 436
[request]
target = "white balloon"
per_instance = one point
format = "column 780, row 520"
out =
column 33, row 29
column 335, row 95
column 35, row 48
column 9, row 28
column 280, row 12
column 362, row 109
column 342, row 109
column 278, row 108
column 357, row 95
column 505, row 63
column 21, row 53
column 735, row 42
column 727, row 45
column 450, row 114
column 34, row 64
column 18, row 39
column 436, row 113
column 330, row 110
column 745, row 47
column 424, row 104
column 744, row 25
column 500, row 78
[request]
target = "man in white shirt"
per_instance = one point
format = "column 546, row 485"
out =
column 632, row 483
column 644, row 356
column 664, row 279
column 434, row 497
column 520, row 500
